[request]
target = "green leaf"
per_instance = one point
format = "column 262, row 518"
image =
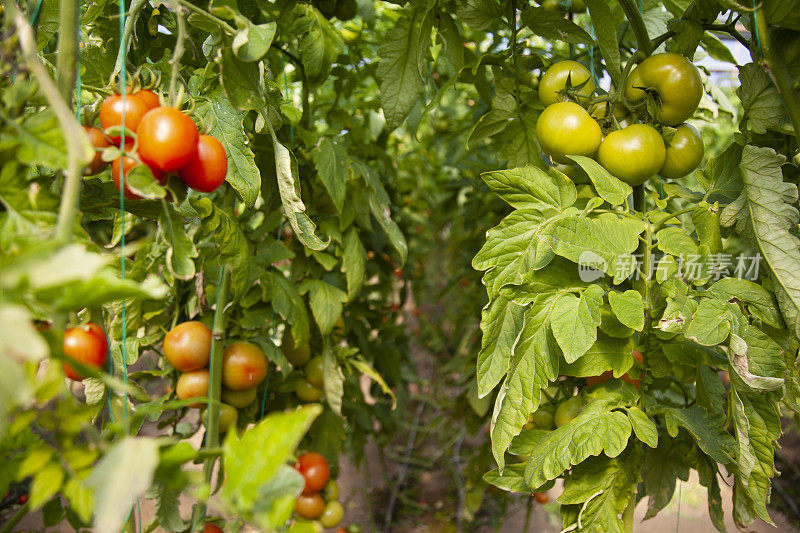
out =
column 511, row 479
column 717, row 49
column 706, row 428
column 293, row 207
column 644, row 428
column 181, row 250
column 662, row 468
column 47, row 23
column 253, row 460
column 121, row 476
column 606, row 30
column 320, row 43
column 242, row 82
column 227, row 125
column 710, row 324
column 354, row 258
column 722, row 175
column 753, row 358
column 41, row 141
column 706, row 224
column 331, row 161
column 762, row 103
column 533, row 365
column 326, row 303
column 333, row 379
column 18, row 337
column 287, row 301
column 399, row 71
column 252, row 41
column 552, row 25
column 501, row 324
column 759, row 300
column 367, row 369
column 605, row 354
column 479, row 14
column 675, row 241
column 596, row 429
column 610, row 188
column 80, row 498
column 530, row 187
column 765, row 215
column 628, row 308
column 574, row 321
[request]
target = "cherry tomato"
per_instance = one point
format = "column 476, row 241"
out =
column 244, row 366
column 568, row 410
column 565, row 129
column 207, row 167
column 308, row 392
column 591, row 381
column 332, row 515
column 341, row 529
column 684, row 153
column 151, row 101
column 23, row 498
column 239, row 399
column 128, row 163
column 227, row 417
column 111, row 114
column 315, row 470
column 555, row 80
column 187, row 346
column 99, row 142
column 309, row 506
column 296, row 355
column 600, row 111
column 541, row 497
column 675, row 79
column 314, row 372
column 192, row 384
column 167, row 138
column 86, row 344
column 633, row 154
column 212, row 528
column 331, row 491
column 539, row 419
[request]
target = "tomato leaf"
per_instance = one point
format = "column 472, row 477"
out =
column 610, row 188
column 330, row 159
column 326, row 303
column 530, row 187
column 320, row 41
column 761, row 101
column 501, row 323
column 606, row 30
column 628, row 307
column 354, row 258
column 552, row 25
column 333, row 379
column 605, row 354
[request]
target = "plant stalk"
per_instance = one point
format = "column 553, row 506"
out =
column 130, row 24
column 637, row 25
column 780, row 73
column 627, row 515
column 67, row 51
column 8, row 527
column 175, row 61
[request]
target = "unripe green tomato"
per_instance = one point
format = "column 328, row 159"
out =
column 314, row 372
column 541, row 419
column 565, row 129
column 331, row 490
column 555, row 80
column 355, row 528
column 239, row 399
column 332, row 515
column 308, row 392
column 297, row 356
column 227, row 417
column 600, row 111
column 684, row 153
column 551, row 5
column 338, row 328
column 633, row 154
column 568, row 410
column 675, row 79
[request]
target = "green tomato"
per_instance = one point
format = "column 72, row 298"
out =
column 633, row 154
column 684, row 153
column 239, row 399
column 568, row 410
column 296, row 355
column 555, row 80
column 308, row 392
column 332, row 515
column 227, row 417
column 314, row 372
column 331, row 490
column 565, row 129
column 675, row 79
column 540, row 419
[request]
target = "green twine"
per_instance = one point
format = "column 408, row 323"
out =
column 36, row 10
column 591, row 53
column 755, row 26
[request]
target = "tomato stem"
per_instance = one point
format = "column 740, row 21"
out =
column 637, row 25
column 202, row 12
column 130, row 24
column 14, row 520
column 67, row 51
column 175, row 62
column 627, row 515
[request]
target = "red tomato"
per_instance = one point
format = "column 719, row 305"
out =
column 187, row 346
column 150, row 99
column 309, row 506
column 244, row 366
column 167, row 138
column 23, row 499
column 315, row 470
column 591, row 381
column 212, row 528
column 128, row 163
column 541, row 497
column 207, row 168
column 99, row 143
column 87, row 344
column 111, row 111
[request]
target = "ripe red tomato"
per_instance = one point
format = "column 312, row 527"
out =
column 315, row 470
column 193, row 384
column 150, row 99
column 244, row 366
column 23, row 498
column 187, row 346
column 99, row 142
column 112, row 109
column 309, row 506
column 86, row 344
column 212, row 528
column 207, row 168
column 167, row 138
column 541, row 497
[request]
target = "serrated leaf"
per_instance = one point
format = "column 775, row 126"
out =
column 332, row 163
column 530, row 187
column 552, row 25
column 574, row 321
column 722, row 175
column 605, row 354
column 628, row 308
column 242, row 82
column 479, row 14
column 333, row 380
column 675, row 241
column 326, row 303
column 610, row 188
column 710, row 324
column 761, row 101
column 706, row 428
column 501, row 324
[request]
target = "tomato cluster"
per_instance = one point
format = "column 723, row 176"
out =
column 310, row 504
column 87, row 345
column 187, row 347
column 632, row 151
column 161, row 137
column 309, row 388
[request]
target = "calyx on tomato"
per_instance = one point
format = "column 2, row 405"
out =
column 675, row 80
column 554, row 82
